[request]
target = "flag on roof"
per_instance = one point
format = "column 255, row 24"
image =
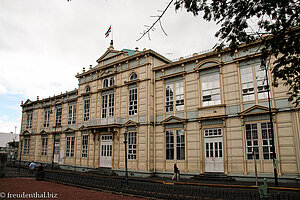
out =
column 108, row 31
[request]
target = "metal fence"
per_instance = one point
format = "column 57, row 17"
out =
column 161, row 191
column 149, row 188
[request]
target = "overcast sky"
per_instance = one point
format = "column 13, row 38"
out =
column 44, row 43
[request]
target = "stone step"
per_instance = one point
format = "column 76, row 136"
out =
column 213, row 177
column 104, row 171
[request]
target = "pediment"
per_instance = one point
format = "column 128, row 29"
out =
column 173, row 120
column 106, row 72
column 257, row 109
column 82, row 127
column 109, row 54
column 27, row 102
column 131, row 123
column 43, row 132
column 207, row 64
column 69, row 130
column 26, row 132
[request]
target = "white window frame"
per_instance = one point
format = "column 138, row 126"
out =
column 169, row 98
column 46, row 117
column 86, row 110
column 211, row 90
column 26, row 148
column 72, row 114
column 266, row 140
column 108, row 104
column 132, row 144
column 175, row 138
column 133, row 99
column 263, row 131
column 29, row 120
column 108, row 82
column 58, row 116
column 44, row 146
column 84, row 146
column 261, row 82
column 247, row 79
column 70, row 146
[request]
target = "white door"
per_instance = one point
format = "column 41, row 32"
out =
column 56, row 150
column 106, row 151
column 213, row 144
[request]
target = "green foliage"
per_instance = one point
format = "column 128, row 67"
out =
column 274, row 22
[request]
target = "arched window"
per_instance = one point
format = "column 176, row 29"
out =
column 105, row 83
column 112, row 81
column 87, row 89
column 133, row 77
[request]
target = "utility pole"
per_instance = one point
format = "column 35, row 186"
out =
column 272, row 129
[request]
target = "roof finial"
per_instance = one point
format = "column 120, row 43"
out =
column 111, row 45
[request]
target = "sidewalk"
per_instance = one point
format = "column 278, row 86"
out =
column 226, row 184
column 14, row 188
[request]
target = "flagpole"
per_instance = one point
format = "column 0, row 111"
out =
column 112, row 35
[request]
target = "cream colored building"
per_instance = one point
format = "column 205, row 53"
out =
column 207, row 113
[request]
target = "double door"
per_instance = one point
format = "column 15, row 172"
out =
column 106, row 151
column 214, row 154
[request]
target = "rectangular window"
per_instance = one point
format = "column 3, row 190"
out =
column 180, row 145
column 212, row 132
column 131, row 145
column 58, row 116
column 72, row 114
column 26, row 147
column 44, row 146
column 170, row 145
column 172, row 141
column 108, row 104
column 266, row 139
column 70, row 146
column 211, row 93
column 29, row 120
column 104, row 106
column 86, row 111
column 169, row 98
column 261, row 82
column 247, row 84
column 46, row 118
column 179, row 98
column 178, row 95
column 111, row 105
column 84, row 146
column 133, row 101
column 252, row 141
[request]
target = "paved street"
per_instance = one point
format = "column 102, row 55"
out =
column 10, row 188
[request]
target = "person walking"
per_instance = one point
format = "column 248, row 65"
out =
column 31, row 167
column 176, row 173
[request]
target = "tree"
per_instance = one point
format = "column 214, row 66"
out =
column 274, row 22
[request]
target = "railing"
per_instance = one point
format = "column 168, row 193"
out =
column 150, row 189
column 102, row 121
column 160, row 190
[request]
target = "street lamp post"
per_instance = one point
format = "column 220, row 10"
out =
column 20, row 158
column 126, row 171
column 54, row 134
column 272, row 129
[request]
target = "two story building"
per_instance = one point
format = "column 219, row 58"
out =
column 206, row 113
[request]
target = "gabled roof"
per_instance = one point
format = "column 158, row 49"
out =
column 173, row 120
column 109, row 54
column 257, row 109
column 28, row 101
